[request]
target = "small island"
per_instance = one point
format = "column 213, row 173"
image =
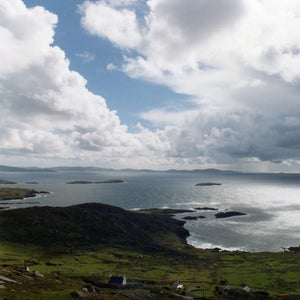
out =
column 205, row 208
column 207, row 183
column 165, row 211
column 80, row 182
column 91, row 182
column 229, row 214
column 7, row 182
column 111, row 181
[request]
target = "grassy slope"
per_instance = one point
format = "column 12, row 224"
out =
column 16, row 193
column 86, row 243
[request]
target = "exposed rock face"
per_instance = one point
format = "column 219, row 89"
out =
column 81, row 294
column 229, row 214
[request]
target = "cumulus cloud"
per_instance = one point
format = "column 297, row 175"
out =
column 118, row 25
column 239, row 60
column 46, row 110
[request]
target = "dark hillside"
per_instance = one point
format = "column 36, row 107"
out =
column 85, row 225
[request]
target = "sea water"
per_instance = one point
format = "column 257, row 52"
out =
column 271, row 202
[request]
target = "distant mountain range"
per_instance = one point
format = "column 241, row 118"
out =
column 80, row 169
column 96, row 169
column 31, row 169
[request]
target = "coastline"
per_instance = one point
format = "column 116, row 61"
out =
column 11, row 194
column 86, row 243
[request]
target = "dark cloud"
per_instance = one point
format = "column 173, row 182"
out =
column 197, row 19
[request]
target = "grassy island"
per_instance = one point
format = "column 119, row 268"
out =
column 70, row 252
column 111, row 181
column 16, row 193
column 80, row 182
column 7, row 182
column 90, row 182
column 207, row 184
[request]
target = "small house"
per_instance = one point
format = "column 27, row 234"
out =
column 117, row 281
column 246, row 289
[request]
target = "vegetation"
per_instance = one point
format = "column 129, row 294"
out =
column 89, row 182
column 16, row 193
column 80, row 182
column 111, row 181
column 72, row 251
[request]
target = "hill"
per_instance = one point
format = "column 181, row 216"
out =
column 86, row 224
column 69, row 252
column 18, row 169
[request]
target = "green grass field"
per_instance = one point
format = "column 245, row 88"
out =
column 151, row 264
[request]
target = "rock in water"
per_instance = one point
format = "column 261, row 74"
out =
column 229, row 214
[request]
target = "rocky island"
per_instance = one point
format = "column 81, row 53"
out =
column 206, row 208
column 207, row 184
column 229, row 214
column 7, row 182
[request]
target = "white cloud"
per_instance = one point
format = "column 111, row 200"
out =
column 111, row 67
column 86, row 56
column 120, row 26
column 240, row 60
column 46, row 110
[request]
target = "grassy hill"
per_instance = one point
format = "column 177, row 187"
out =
column 86, row 224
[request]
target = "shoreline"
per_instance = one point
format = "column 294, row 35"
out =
column 11, row 194
column 150, row 249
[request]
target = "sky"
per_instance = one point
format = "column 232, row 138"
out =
column 155, row 84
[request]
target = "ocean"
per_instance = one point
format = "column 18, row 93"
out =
column 271, row 202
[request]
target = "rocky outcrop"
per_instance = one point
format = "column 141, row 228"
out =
column 229, row 214
column 193, row 217
column 205, row 208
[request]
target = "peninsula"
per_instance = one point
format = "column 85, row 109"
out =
column 18, row 193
